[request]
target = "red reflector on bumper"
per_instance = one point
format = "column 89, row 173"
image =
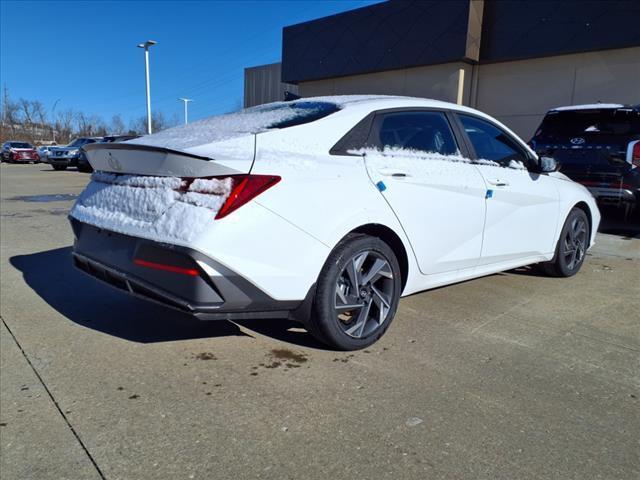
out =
column 167, row 268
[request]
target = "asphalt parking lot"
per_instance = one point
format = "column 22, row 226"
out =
column 512, row 376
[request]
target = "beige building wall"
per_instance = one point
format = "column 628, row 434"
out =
column 518, row 93
column 433, row 81
column 262, row 85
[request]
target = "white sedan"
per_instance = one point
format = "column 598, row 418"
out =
column 326, row 210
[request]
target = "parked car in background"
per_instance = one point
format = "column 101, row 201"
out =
column 62, row 157
column 43, row 151
column 83, row 163
column 325, row 210
column 598, row 146
column 19, row 152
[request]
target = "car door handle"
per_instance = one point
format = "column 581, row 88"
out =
column 498, row 183
column 394, row 173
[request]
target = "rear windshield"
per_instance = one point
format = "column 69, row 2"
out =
column 20, row 145
column 238, row 124
column 591, row 122
column 297, row 113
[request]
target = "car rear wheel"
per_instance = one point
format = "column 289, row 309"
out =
column 357, row 294
column 572, row 246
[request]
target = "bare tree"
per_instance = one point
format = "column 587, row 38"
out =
column 158, row 123
column 10, row 116
column 64, row 125
column 117, row 125
column 28, row 120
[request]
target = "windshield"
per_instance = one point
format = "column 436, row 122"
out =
column 78, row 142
column 20, row 145
column 590, row 122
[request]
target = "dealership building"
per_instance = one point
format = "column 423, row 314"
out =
column 512, row 59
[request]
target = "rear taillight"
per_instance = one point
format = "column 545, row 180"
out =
column 635, row 154
column 245, row 188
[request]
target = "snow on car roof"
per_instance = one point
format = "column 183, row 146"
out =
column 587, row 106
column 258, row 119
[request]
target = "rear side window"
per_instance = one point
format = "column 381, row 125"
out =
column 491, row 143
column 421, row 131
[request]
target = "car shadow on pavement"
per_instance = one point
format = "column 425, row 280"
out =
column 92, row 304
column 284, row 330
column 615, row 222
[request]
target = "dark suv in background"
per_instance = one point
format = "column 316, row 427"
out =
column 598, row 146
column 62, row 157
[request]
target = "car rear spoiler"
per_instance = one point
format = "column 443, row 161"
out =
column 134, row 158
column 137, row 146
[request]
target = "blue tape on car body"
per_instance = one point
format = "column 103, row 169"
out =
column 381, row 186
column 489, row 194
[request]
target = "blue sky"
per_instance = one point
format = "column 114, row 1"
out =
column 84, row 53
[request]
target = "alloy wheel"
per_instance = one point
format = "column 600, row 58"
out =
column 575, row 242
column 364, row 294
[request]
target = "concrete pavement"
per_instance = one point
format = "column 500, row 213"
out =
column 512, row 376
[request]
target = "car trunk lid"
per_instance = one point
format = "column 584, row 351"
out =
column 158, row 193
column 226, row 157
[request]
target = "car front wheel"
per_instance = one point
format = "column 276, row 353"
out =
column 572, row 246
column 357, row 293
column 59, row 167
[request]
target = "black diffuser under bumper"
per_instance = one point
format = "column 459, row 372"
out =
column 109, row 256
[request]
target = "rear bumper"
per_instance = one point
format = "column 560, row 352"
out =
column 214, row 293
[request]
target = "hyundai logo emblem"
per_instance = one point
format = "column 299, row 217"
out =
column 114, row 162
column 577, row 141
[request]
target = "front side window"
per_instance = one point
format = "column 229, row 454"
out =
column 491, row 143
column 419, row 131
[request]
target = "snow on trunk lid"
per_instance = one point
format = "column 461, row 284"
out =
column 169, row 209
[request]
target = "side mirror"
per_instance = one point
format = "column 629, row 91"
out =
column 548, row 164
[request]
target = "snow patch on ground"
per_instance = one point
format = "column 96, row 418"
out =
column 150, row 207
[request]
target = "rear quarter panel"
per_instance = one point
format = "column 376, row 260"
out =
column 326, row 196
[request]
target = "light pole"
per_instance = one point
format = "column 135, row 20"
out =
column 53, row 111
column 186, row 108
column 146, row 46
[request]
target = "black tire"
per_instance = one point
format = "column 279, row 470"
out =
column 85, row 168
column 377, row 275
column 59, row 167
column 571, row 249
